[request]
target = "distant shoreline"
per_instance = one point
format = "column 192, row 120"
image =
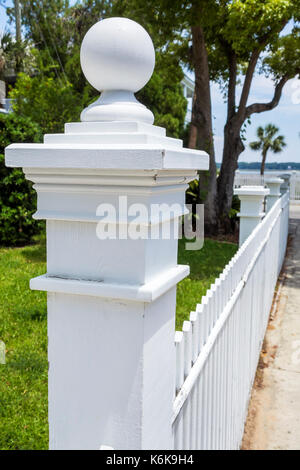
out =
column 270, row 167
column 245, row 171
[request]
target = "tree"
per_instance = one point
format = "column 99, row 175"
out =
column 226, row 41
column 17, row 9
column 267, row 141
column 174, row 25
column 163, row 94
column 15, row 57
column 47, row 101
column 56, row 31
column 252, row 41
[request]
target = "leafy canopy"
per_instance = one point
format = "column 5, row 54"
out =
column 55, row 31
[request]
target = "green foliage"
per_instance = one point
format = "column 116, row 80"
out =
column 235, row 208
column 249, row 23
column 17, row 129
column 23, row 329
column 17, row 198
column 58, row 91
column 284, row 57
column 46, row 26
column 58, row 28
column 192, row 193
column 48, row 101
column 164, row 95
column 205, row 264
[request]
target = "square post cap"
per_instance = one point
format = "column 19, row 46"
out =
column 252, row 191
column 251, row 198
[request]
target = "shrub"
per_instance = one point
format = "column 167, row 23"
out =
column 17, row 198
column 47, row 101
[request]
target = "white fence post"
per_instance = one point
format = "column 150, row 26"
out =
column 274, row 186
column 251, row 213
column 286, row 183
column 111, row 297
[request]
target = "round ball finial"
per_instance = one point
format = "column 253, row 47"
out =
column 117, row 54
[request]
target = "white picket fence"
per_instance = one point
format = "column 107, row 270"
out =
column 250, row 179
column 217, row 351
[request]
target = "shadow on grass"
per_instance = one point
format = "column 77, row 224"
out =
column 35, row 253
column 28, row 363
column 34, row 314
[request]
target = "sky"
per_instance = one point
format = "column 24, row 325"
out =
column 286, row 115
column 3, row 17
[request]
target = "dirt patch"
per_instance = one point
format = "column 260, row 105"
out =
column 226, row 237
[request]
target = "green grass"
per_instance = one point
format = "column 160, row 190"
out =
column 23, row 328
column 205, row 264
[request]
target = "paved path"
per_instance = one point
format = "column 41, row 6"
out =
column 274, row 412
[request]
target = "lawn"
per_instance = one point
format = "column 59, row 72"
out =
column 23, row 328
column 205, row 264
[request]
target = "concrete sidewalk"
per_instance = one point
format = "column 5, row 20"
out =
column 274, row 412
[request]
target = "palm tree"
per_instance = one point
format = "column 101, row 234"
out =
column 267, row 141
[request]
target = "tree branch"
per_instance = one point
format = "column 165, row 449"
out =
column 247, row 83
column 261, row 107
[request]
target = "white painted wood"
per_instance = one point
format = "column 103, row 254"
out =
column 116, row 378
column 274, row 186
column 106, row 373
column 179, row 346
column 126, row 127
column 111, row 138
column 232, row 319
column 251, row 213
column 188, row 356
column 112, row 302
column 117, row 57
column 104, row 156
column 146, row 293
column 195, row 391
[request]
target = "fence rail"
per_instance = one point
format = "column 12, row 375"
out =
column 217, row 351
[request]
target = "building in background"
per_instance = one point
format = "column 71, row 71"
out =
column 5, row 103
column 2, row 97
column 188, row 91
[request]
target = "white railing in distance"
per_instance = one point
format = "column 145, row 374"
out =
column 248, row 179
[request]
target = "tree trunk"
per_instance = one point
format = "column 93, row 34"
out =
column 263, row 162
column 201, row 134
column 18, row 35
column 233, row 147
